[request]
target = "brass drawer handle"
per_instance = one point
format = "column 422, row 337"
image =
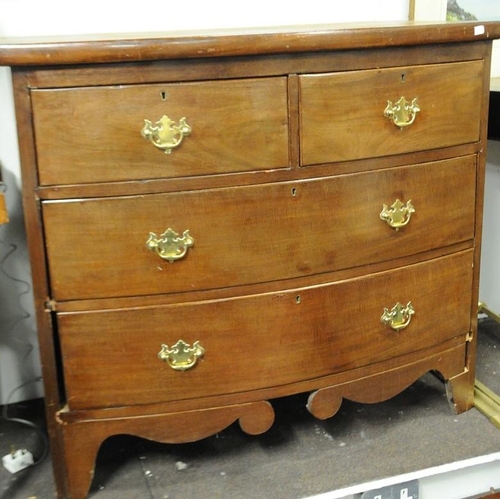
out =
column 398, row 215
column 164, row 134
column 398, row 317
column 169, row 245
column 181, row 356
column 403, row 113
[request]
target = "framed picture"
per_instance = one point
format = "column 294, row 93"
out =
column 473, row 10
column 460, row 10
column 454, row 10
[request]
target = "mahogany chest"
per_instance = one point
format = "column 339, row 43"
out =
column 223, row 218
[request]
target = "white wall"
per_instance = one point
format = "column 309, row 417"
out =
column 35, row 17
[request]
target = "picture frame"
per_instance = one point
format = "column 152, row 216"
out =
column 467, row 10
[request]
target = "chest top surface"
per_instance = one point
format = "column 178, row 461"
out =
column 84, row 49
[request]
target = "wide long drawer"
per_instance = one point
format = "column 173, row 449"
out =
column 253, row 342
column 361, row 114
column 95, row 134
column 242, row 235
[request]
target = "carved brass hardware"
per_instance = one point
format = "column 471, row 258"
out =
column 169, row 245
column 398, row 215
column 398, row 317
column 403, row 113
column 164, row 134
column 181, row 356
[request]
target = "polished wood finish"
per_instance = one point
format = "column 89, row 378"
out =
column 334, row 108
column 281, row 185
column 253, row 234
column 293, row 335
column 237, row 125
column 43, row 51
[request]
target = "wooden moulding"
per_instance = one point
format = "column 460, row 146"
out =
column 484, row 309
column 221, row 43
column 487, row 402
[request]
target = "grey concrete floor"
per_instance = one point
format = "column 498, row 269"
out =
column 299, row 457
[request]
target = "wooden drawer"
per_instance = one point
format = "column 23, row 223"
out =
column 264, row 340
column 342, row 114
column 86, row 135
column 257, row 233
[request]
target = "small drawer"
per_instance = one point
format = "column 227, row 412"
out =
column 112, row 358
column 87, row 135
column 252, row 234
column 350, row 115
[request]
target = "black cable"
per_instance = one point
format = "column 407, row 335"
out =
column 42, row 437
column 39, row 432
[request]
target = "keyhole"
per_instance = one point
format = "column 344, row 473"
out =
column 298, row 299
column 294, row 191
column 403, row 76
column 163, row 95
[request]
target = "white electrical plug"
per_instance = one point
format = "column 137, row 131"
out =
column 17, row 460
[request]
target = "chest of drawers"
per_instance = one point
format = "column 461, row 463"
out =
column 221, row 219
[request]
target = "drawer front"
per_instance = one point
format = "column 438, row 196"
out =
column 342, row 114
column 254, row 234
column 86, row 135
column 254, row 342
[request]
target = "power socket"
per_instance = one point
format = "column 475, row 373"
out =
column 17, row 461
column 402, row 490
